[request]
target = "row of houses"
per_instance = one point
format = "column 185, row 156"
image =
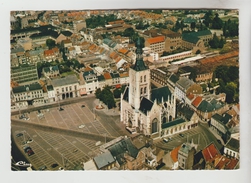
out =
column 138, row 153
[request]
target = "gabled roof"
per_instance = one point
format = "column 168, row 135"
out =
column 223, row 119
column 103, row 159
column 173, row 123
column 161, row 93
column 157, row 39
column 174, row 154
column 184, row 83
column 197, row 101
column 66, row 33
column 48, row 52
column 173, row 78
column 210, row 152
column 25, row 88
column 115, row 75
column 67, row 80
column 107, row 75
column 145, row 105
column 213, row 105
column 233, row 144
column 122, row 147
column 185, row 111
column 101, row 78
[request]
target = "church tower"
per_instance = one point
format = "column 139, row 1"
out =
column 139, row 84
column 139, row 74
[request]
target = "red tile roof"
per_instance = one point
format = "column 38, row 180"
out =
column 156, row 39
column 232, row 164
column 48, row 52
column 190, row 96
column 174, row 154
column 210, row 152
column 107, row 75
column 88, row 69
column 219, row 57
column 197, row 101
column 123, row 51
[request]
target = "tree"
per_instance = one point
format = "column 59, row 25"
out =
column 217, row 22
column 117, row 92
column 106, row 96
column 50, row 43
column 230, row 91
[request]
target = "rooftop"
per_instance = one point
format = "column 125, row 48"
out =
column 67, row 80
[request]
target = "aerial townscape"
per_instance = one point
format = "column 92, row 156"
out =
column 142, row 89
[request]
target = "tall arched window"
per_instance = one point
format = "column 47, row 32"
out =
column 144, row 78
column 141, row 79
column 145, row 90
column 154, row 125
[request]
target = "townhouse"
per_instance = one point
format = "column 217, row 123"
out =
column 25, row 95
column 184, row 86
column 66, row 87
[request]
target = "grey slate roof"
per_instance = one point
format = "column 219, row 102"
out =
column 159, row 93
column 66, row 33
column 50, row 88
column 185, row 148
column 70, row 79
column 174, row 78
column 24, row 88
column 185, row 111
column 103, row 159
column 184, row 83
column 101, row 78
column 206, row 106
column 233, row 144
column 173, row 123
column 115, row 75
column 224, row 119
column 145, row 105
column 120, row 148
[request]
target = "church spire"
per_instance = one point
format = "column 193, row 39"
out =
column 139, row 64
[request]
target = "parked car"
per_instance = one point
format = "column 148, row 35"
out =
column 181, row 134
column 42, row 167
column 83, row 106
column 54, row 165
column 81, row 126
column 19, row 135
column 30, row 152
column 165, row 140
column 26, row 148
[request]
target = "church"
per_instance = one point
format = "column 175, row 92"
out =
column 143, row 109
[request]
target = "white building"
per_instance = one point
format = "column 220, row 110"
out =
column 67, row 87
column 25, row 95
column 141, row 108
